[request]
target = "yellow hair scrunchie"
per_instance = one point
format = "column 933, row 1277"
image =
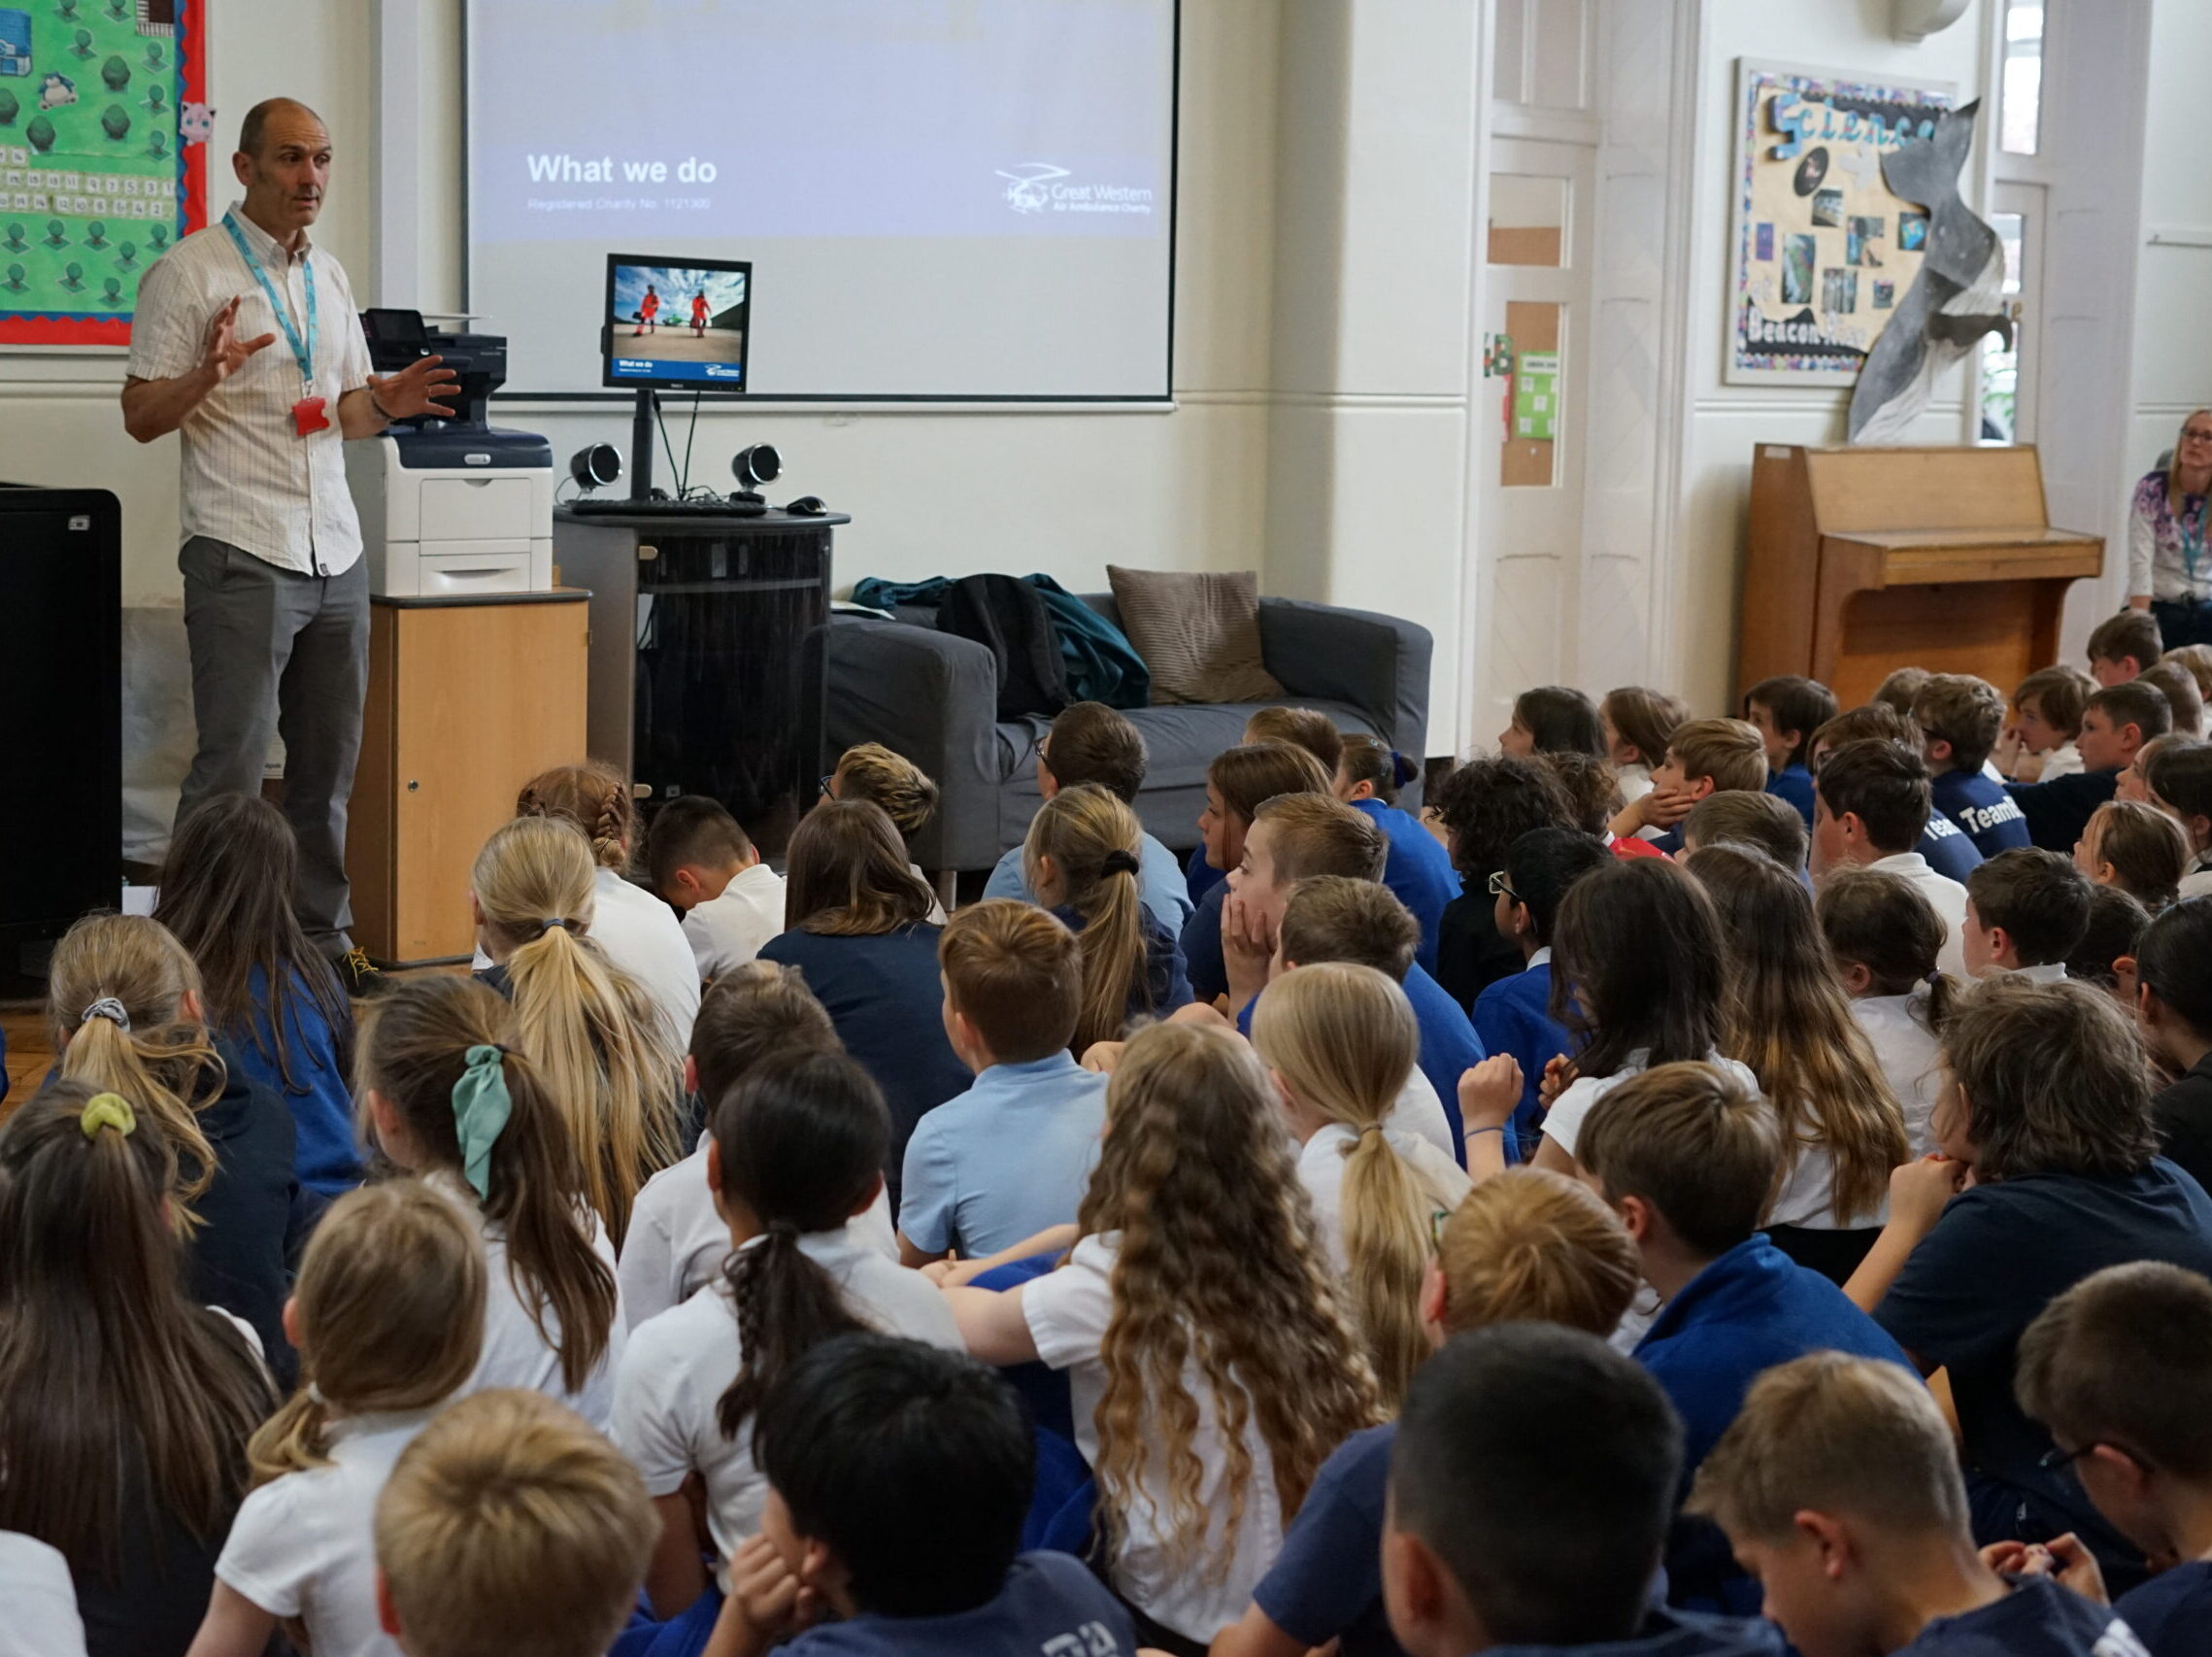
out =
column 108, row 1110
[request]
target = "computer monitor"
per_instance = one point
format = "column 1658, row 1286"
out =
column 676, row 325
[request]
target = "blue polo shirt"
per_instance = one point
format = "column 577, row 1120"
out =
column 2038, row 1618
column 1669, row 1632
column 1418, row 870
column 1160, row 883
column 1201, row 943
column 1449, row 1045
column 1947, row 850
column 1982, row 811
column 1202, row 876
column 1327, row 1582
column 1051, row 1603
column 2059, row 810
column 2171, row 1614
column 1795, row 784
column 320, row 1092
column 1004, row 1159
column 1750, row 1309
column 1514, row 1016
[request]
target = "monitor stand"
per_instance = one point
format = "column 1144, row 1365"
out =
column 641, row 444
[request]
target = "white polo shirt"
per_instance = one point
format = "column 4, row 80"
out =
column 249, row 477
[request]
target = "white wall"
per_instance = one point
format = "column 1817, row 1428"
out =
column 2174, row 346
column 1726, row 420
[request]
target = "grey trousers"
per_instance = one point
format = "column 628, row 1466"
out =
column 276, row 652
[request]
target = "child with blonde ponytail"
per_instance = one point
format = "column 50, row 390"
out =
column 388, row 1319
column 583, row 1020
column 447, row 1095
column 1340, row 1042
column 1083, row 859
column 125, row 1004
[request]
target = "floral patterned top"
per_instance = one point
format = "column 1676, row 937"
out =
column 2166, row 555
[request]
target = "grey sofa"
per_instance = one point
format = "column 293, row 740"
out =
column 932, row 696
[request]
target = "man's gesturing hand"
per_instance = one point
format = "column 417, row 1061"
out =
column 224, row 353
column 415, row 389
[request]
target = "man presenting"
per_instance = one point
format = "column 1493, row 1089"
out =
column 276, row 597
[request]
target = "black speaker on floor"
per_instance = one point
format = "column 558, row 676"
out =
column 61, row 763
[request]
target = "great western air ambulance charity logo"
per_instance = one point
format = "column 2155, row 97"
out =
column 1029, row 187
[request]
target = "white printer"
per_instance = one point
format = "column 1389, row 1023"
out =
column 451, row 507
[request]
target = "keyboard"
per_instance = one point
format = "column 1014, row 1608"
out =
column 590, row 507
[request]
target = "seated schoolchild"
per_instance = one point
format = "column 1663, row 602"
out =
column 1089, row 742
column 274, row 997
column 2105, row 958
column 1897, row 688
column 1764, row 822
column 906, row 793
column 1484, row 807
column 2136, row 847
column 1872, row 802
column 1300, row 838
column 1637, row 721
column 2116, row 723
column 123, row 1004
column 1688, row 1157
column 677, row 1243
column 1839, row 1489
column 639, row 933
column 2038, row 742
column 1947, row 851
column 1332, row 916
column 1594, row 798
column 1532, row 1482
column 1885, row 943
column 1525, row 1246
column 2181, row 782
column 2182, row 695
column 2121, row 646
column 510, row 1524
column 2173, row 1010
column 1339, row 1041
column 797, row 1156
column 1417, row 868
column 1236, row 783
column 859, row 933
column 2048, row 1164
column 1011, row 1155
column 1306, row 729
column 1786, row 710
column 2135, row 776
column 1702, row 758
column 863, row 1437
column 1155, row 1316
column 2026, row 910
column 2117, row 1369
column 710, row 872
column 1514, row 1015
column 1960, row 718
column 388, row 1320
column 1082, row 857
column 1552, row 719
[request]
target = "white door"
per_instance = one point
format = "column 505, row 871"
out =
column 1537, row 296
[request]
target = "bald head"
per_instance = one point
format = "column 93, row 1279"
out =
column 284, row 161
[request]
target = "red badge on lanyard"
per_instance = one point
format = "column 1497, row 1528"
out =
column 308, row 416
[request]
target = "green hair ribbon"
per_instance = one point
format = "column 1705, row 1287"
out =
column 482, row 1105
column 107, row 1110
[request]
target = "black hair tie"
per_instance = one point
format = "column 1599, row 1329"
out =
column 1119, row 862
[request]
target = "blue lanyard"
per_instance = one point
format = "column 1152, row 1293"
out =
column 303, row 352
column 2192, row 546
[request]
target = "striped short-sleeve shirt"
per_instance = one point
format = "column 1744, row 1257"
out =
column 249, row 477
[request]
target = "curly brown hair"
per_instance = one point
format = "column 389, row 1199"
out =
column 1217, row 1271
column 595, row 797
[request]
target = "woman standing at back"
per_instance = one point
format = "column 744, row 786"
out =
column 857, row 928
column 124, row 1405
column 640, row 933
column 274, row 997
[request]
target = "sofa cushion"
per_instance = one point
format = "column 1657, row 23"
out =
column 1199, row 632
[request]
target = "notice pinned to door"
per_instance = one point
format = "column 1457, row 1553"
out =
column 1536, row 395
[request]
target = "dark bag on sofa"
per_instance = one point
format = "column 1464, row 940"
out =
column 1008, row 619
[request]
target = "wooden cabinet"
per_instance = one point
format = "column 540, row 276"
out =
column 468, row 699
column 1863, row 560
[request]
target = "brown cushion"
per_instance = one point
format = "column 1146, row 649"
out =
column 1199, row 634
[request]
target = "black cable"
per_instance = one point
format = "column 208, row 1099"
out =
column 667, row 448
column 683, row 478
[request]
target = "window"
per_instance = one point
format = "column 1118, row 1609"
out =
column 2021, row 102
column 2003, row 419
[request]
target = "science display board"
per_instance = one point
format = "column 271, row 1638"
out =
column 103, row 146
column 939, row 199
column 1822, row 247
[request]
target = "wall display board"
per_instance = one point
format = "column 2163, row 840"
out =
column 1822, row 248
column 103, row 159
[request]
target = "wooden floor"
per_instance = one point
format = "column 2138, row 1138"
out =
column 30, row 1048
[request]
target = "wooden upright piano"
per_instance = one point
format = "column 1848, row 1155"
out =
column 1863, row 560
